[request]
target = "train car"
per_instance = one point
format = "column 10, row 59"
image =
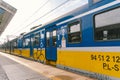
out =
column 85, row 41
column 9, row 46
column 38, row 45
column 89, row 42
column 2, row 48
column 15, row 48
column 6, row 47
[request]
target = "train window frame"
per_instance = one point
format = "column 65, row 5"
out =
column 54, row 44
column 95, row 2
column 15, row 44
column 72, row 22
column 47, row 38
column 94, row 23
column 38, row 39
column 24, row 42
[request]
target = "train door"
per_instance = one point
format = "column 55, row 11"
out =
column 31, row 45
column 27, row 50
column 36, row 45
column 51, row 44
column 10, row 47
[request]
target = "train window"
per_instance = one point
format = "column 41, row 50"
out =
column 54, row 38
column 26, row 42
column 15, row 44
column 74, row 32
column 42, row 36
column 23, row 43
column 36, row 40
column 95, row 1
column 47, row 39
column 32, row 40
column 107, row 25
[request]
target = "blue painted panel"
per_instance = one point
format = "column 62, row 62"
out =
column 51, row 52
column 48, row 53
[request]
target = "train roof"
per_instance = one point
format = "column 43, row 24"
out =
column 61, row 18
column 71, row 14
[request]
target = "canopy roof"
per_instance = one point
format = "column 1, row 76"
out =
column 6, row 14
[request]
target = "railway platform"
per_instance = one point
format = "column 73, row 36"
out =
column 17, row 68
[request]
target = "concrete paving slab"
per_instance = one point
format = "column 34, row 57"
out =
column 3, row 75
column 48, row 71
column 20, row 72
column 11, row 70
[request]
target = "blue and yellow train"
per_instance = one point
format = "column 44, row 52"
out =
column 86, row 41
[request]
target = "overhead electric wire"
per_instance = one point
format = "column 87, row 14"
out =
column 36, row 11
column 44, row 15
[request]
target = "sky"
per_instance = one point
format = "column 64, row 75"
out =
column 32, row 13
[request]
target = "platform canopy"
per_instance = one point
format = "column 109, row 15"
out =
column 6, row 14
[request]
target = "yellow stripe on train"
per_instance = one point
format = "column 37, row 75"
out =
column 22, row 52
column 107, row 63
column 39, row 55
column 16, row 52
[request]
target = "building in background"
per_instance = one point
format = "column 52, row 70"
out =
column 6, row 14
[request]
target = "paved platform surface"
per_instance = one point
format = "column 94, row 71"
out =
column 16, row 68
column 11, row 70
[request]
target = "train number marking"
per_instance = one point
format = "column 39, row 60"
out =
column 108, row 62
